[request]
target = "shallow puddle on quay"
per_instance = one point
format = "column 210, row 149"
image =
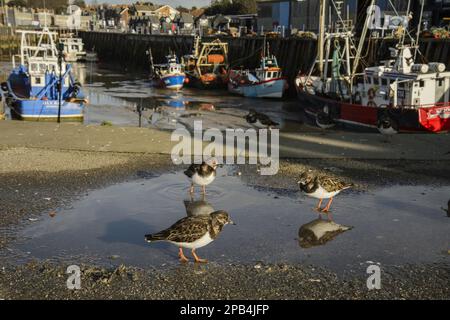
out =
column 394, row 225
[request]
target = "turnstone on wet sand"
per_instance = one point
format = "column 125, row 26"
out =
column 260, row 120
column 202, row 174
column 193, row 232
column 321, row 187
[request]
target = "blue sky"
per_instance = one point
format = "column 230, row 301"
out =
column 173, row 3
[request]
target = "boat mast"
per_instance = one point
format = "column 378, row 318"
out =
column 323, row 8
column 419, row 29
column 369, row 17
column 406, row 28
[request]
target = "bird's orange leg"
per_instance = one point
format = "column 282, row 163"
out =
column 182, row 256
column 197, row 259
column 327, row 208
column 204, row 189
column 319, row 205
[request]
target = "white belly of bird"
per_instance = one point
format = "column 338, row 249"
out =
column 259, row 125
column 202, row 181
column 321, row 193
column 203, row 241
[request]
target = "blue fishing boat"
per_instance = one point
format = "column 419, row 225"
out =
column 169, row 75
column 264, row 82
column 33, row 87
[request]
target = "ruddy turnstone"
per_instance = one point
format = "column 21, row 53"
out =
column 321, row 187
column 202, row 174
column 193, row 232
column 260, row 120
column 448, row 209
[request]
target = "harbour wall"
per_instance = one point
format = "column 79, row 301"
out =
column 9, row 43
column 294, row 54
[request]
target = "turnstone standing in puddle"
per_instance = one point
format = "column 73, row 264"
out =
column 321, row 187
column 193, row 232
column 260, row 120
column 202, row 174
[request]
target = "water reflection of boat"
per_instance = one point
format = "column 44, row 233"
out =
column 165, row 117
column 319, row 232
column 207, row 66
column 264, row 82
column 33, row 86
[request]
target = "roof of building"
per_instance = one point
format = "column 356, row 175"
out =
column 140, row 7
column 198, row 12
column 186, row 17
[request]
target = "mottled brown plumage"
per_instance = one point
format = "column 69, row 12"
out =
column 321, row 186
column 193, row 232
column 309, row 182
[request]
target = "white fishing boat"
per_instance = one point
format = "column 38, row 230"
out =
column 41, row 87
column 264, row 82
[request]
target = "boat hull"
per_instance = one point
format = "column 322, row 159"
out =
column 273, row 88
column 210, row 82
column 433, row 119
column 173, row 82
column 47, row 110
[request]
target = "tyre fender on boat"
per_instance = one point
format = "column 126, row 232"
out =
column 387, row 124
column 324, row 119
column 4, row 87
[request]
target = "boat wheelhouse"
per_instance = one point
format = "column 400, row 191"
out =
column 32, row 88
column 73, row 48
column 207, row 66
column 169, row 75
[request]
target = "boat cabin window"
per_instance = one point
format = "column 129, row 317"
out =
column 440, row 82
column 422, row 83
column 384, row 81
column 37, row 80
column 34, row 67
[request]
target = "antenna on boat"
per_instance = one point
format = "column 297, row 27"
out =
column 406, row 28
column 361, row 39
column 419, row 29
column 45, row 15
column 323, row 9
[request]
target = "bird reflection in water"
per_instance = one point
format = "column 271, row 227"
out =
column 318, row 232
column 198, row 207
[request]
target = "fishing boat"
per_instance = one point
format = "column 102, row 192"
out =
column 33, row 88
column 207, row 66
column 73, row 48
column 399, row 95
column 264, row 82
column 169, row 75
